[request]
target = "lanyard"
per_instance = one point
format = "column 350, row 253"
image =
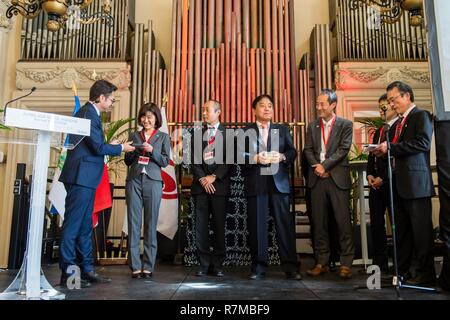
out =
column 381, row 135
column 149, row 139
column 398, row 129
column 326, row 139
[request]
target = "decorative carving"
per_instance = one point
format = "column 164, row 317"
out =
column 386, row 75
column 121, row 78
column 4, row 22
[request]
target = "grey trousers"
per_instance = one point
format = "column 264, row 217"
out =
column 143, row 193
column 324, row 194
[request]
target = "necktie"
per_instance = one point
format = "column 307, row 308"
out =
column 211, row 135
column 265, row 133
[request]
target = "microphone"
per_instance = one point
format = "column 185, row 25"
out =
column 384, row 107
column 14, row 100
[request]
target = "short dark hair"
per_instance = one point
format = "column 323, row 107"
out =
column 403, row 88
column 331, row 94
column 259, row 98
column 101, row 87
column 383, row 98
column 153, row 108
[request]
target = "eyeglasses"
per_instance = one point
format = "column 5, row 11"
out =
column 112, row 99
column 391, row 100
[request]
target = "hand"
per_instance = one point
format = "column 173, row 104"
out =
column 319, row 170
column 115, row 142
column 210, row 189
column 371, row 180
column 381, row 150
column 127, row 147
column 262, row 158
column 207, row 180
column 378, row 182
column 277, row 157
column 147, row 147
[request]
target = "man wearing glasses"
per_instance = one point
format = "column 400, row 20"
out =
column 413, row 186
column 377, row 178
column 81, row 175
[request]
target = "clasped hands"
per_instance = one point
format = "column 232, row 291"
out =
column 375, row 183
column 208, row 184
column 266, row 158
column 320, row 171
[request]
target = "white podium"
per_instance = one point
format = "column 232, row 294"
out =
column 30, row 282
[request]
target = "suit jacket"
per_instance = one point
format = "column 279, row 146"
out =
column 378, row 167
column 202, row 169
column 159, row 158
column 412, row 156
column 256, row 176
column 84, row 164
column 336, row 158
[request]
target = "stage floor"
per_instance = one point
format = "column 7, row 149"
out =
column 171, row 282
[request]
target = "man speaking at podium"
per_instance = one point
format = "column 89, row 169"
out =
column 81, row 176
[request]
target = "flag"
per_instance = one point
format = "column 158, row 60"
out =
column 168, row 211
column 103, row 199
column 57, row 195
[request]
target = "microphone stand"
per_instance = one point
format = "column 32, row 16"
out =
column 14, row 100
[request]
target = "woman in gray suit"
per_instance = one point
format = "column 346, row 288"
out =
column 144, row 188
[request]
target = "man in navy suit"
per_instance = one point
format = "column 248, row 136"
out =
column 268, row 153
column 413, row 186
column 81, row 174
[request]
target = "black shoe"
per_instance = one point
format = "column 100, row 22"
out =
column 421, row 281
column 136, row 275
column 147, row 274
column 293, row 276
column 257, row 276
column 219, row 273
column 94, row 277
column 332, row 266
column 83, row 283
column 201, row 273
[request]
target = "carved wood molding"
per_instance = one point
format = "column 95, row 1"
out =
column 5, row 23
column 63, row 75
column 360, row 77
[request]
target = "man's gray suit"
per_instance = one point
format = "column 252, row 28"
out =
column 145, row 191
column 334, row 191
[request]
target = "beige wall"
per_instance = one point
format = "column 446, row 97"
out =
column 307, row 14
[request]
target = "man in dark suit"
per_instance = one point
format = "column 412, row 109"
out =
column 81, row 175
column 328, row 142
column 414, row 185
column 210, row 189
column 378, row 180
column 268, row 151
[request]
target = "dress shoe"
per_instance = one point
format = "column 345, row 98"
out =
column 257, row 276
column 318, row 270
column 83, row 283
column 201, row 273
column 136, row 275
column 345, row 272
column 293, row 276
column 147, row 274
column 332, row 266
column 94, row 277
column 218, row 273
column 421, row 281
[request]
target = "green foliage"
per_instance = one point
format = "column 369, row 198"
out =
column 357, row 154
column 117, row 131
column 2, row 127
column 372, row 124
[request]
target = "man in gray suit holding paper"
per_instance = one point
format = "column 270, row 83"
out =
column 328, row 142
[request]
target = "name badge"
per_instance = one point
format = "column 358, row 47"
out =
column 208, row 156
column 144, row 160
